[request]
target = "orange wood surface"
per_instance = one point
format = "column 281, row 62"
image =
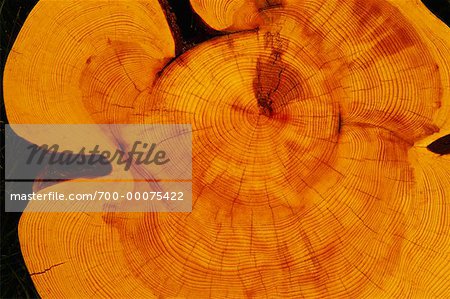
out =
column 311, row 177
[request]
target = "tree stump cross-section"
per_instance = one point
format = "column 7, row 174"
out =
column 314, row 168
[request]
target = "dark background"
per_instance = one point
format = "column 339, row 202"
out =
column 15, row 281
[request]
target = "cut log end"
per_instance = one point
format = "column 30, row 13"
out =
column 309, row 178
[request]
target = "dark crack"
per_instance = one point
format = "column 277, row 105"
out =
column 48, row 269
column 440, row 146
